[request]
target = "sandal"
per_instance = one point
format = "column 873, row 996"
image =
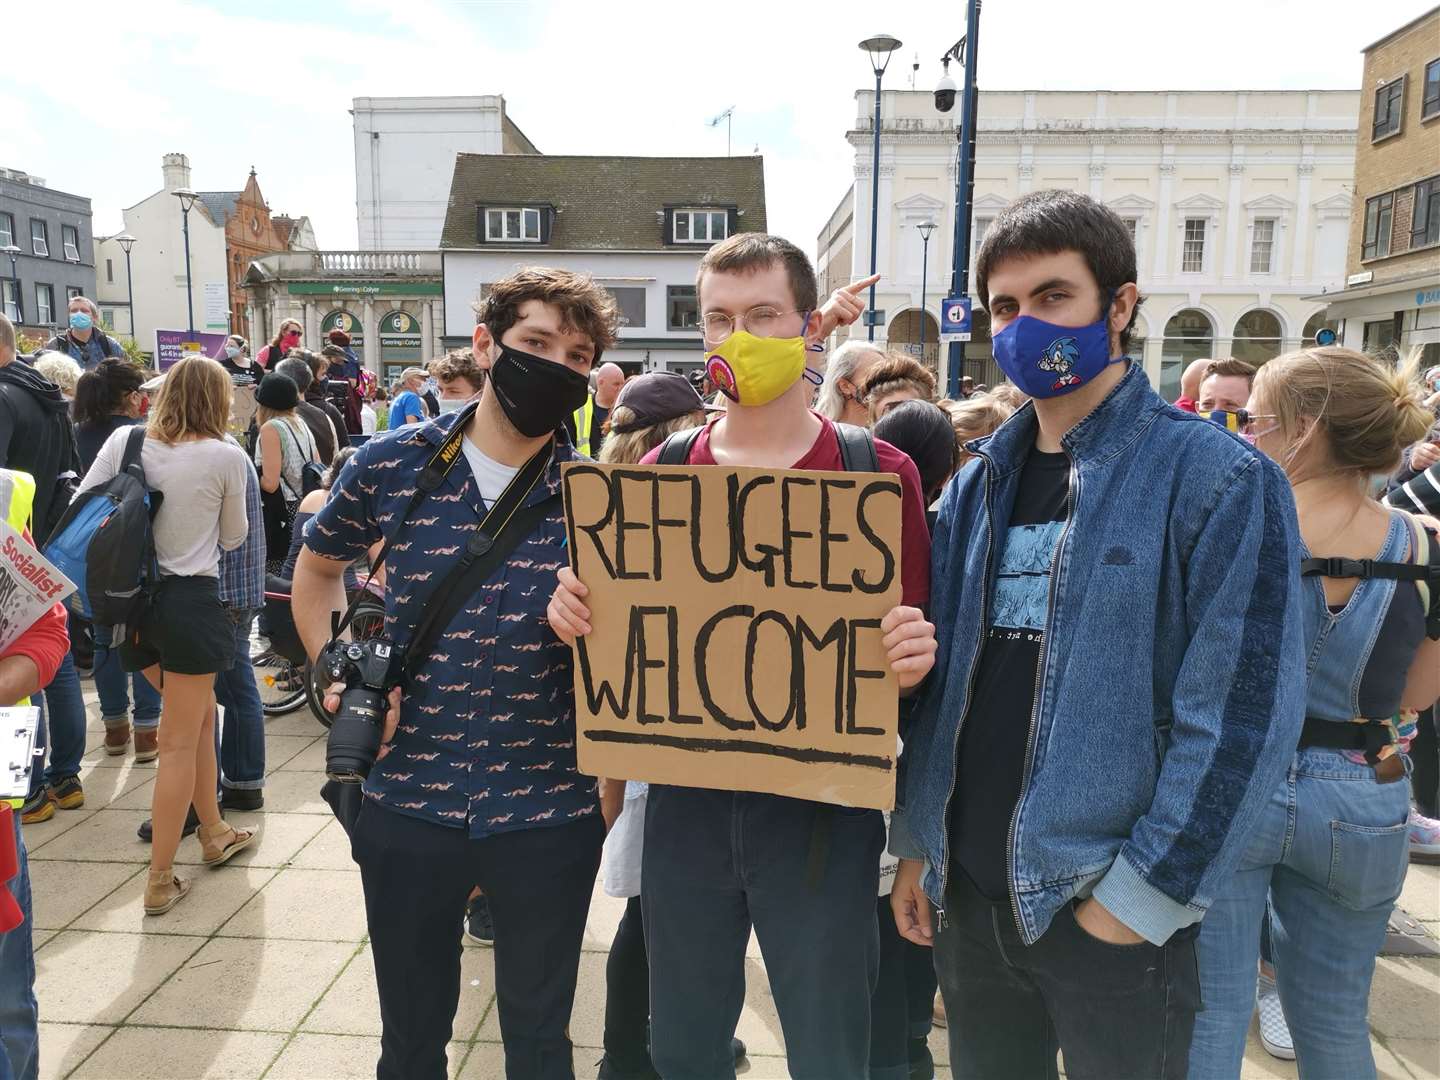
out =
column 163, row 891
column 214, row 853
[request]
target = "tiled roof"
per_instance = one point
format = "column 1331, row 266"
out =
column 601, row 203
column 219, row 204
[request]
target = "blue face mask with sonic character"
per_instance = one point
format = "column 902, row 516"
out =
column 1045, row 360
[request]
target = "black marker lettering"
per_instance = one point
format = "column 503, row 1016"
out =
column 732, row 493
column 887, row 575
column 664, row 522
column 622, row 526
column 827, row 537
column 672, row 626
column 797, row 674
column 835, row 635
column 854, row 675
column 764, row 565
column 593, row 530
column 702, row 674
column 743, row 746
column 788, row 535
column 642, row 660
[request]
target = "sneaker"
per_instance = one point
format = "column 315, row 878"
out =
column 192, row 822
column 117, row 738
column 478, row 927
column 1274, row 1031
column 147, row 744
column 737, row 1050
column 68, row 794
column 241, row 798
column 1424, row 838
column 921, row 1062
column 39, row 807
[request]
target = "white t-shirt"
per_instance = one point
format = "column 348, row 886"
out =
column 367, row 419
column 491, row 476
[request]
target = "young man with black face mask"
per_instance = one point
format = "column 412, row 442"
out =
column 476, row 783
column 1119, row 687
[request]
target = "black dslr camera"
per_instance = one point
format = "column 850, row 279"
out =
column 364, row 668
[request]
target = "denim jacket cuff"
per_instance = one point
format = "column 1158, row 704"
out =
column 1139, row 905
column 902, row 844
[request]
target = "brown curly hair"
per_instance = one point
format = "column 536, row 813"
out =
column 584, row 305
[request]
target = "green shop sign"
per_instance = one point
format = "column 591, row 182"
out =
column 346, row 321
column 367, row 288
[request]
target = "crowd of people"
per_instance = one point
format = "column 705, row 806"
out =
column 1166, row 672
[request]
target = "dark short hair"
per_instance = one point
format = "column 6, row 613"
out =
column 584, row 306
column 100, row 393
column 745, row 253
column 1051, row 221
column 923, row 431
column 1228, row 365
column 458, row 364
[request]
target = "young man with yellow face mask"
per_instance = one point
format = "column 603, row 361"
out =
column 717, row 863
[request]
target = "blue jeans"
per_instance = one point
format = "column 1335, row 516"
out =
column 1330, row 850
column 114, row 686
column 19, row 1013
column 242, row 742
column 64, row 719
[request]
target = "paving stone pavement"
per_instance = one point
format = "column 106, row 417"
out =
column 264, row 971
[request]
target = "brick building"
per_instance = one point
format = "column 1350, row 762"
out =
column 1392, row 288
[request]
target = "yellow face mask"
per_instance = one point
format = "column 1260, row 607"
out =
column 754, row 370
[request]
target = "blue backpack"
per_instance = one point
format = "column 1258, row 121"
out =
column 105, row 543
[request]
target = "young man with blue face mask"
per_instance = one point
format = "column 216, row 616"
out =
column 1119, row 683
column 84, row 341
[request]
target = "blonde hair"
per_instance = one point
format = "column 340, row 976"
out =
column 60, row 369
column 193, row 403
column 1366, row 410
column 264, row 415
column 978, row 416
column 628, row 447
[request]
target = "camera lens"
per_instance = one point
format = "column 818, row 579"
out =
column 354, row 738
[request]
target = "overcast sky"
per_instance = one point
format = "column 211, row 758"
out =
column 95, row 92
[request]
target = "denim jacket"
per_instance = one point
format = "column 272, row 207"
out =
column 1171, row 689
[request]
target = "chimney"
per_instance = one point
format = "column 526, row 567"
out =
column 176, row 168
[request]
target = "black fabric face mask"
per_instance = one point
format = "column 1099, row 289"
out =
column 536, row 394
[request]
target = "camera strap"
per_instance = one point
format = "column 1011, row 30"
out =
column 507, row 522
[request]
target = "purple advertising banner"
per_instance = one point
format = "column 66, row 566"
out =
column 174, row 345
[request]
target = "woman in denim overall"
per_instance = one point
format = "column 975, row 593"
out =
column 1330, row 847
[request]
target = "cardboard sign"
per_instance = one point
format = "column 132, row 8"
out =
column 735, row 617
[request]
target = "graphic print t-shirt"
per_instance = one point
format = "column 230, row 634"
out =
column 996, row 729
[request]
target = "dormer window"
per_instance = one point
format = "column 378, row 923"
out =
column 700, row 226
column 520, row 224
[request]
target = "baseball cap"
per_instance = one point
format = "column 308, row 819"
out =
column 656, row 397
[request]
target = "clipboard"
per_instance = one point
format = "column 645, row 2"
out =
column 19, row 726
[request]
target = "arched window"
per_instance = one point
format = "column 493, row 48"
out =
column 1257, row 337
column 1189, row 336
column 1317, row 322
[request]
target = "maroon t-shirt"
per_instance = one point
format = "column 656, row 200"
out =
column 824, row 456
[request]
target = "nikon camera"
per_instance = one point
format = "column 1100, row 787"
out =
column 354, row 742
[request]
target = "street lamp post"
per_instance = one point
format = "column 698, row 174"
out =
column 187, row 202
column 879, row 47
column 964, row 50
column 926, row 228
column 12, row 251
column 126, row 242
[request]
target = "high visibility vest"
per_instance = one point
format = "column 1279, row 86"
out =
column 584, row 420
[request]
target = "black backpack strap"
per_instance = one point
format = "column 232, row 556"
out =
column 857, row 448
column 1335, row 567
column 676, row 449
column 134, row 444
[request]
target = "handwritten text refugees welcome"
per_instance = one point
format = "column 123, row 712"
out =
column 736, row 628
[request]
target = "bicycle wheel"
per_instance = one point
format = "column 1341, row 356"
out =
column 369, row 622
column 281, row 684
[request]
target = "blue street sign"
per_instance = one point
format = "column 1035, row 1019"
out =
column 1324, row 336
column 955, row 318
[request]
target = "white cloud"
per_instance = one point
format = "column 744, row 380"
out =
column 269, row 83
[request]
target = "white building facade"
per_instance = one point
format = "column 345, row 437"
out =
column 1239, row 203
column 157, row 262
column 405, row 156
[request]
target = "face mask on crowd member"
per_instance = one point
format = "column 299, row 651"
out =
column 758, row 354
column 538, row 370
column 1044, row 329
